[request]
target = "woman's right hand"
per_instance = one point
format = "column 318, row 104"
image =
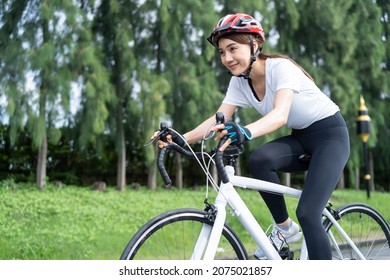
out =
column 161, row 143
column 166, row 139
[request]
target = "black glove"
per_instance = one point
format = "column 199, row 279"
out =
column 237, row 133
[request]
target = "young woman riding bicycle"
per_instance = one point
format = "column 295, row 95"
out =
column 285, row 95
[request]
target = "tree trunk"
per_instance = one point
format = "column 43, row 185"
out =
column 41, row 165
column 42, row 139
column 152, row 174
column 371, row 168
column 214, row 173
column 357, row 178
column 237, row 169
column 341, row 183
column 179, row 172
column 121, row 173
column 287, row 179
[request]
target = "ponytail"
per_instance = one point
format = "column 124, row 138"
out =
column 264, row 56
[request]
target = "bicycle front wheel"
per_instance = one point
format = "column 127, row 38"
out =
column 366, row 227
column 173, row 236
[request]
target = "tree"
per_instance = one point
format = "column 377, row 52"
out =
column 43, row 59
column 177, row 68
column 344, row 54
column 136, row 63
column 114, row 31
column 187, row 59
column 381, row 102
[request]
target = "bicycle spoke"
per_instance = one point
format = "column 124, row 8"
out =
column 366, row 228
column 173, row 235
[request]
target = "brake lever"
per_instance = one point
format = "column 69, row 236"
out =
column 154, row 140
column 219, row 118
column 164, row 127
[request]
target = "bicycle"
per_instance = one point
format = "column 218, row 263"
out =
column 355, row 230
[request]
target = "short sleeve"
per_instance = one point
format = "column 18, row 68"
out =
column 287, row 75
column 235, row 94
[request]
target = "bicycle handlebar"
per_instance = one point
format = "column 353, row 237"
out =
column 161, row 167
column 220, row 118
column 160, row 160
column 219, row 161
column 164, row 174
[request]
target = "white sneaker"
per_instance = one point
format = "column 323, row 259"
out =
column 280, row 237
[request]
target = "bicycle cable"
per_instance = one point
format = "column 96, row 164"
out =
column 209, row 177
column 204, row 166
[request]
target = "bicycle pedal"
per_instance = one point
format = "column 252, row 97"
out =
column 286, row 254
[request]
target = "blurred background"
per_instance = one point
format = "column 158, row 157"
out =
column 84, row 84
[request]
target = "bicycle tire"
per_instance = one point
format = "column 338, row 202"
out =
column 172, row 236
column 366, row 227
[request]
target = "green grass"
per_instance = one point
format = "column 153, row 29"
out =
column 80, row 224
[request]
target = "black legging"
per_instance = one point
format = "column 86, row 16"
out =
column 327, row 141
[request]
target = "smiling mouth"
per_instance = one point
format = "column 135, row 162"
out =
column 232, row 67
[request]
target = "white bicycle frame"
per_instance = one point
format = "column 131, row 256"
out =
column 209, row 237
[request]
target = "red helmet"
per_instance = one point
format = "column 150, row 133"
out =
column 236, row 23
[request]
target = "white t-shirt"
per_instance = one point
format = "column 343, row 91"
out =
column 309, row 103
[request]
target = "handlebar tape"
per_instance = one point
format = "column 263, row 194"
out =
column 161, row 167
column 219, row 161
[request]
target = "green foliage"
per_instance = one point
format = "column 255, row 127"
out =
column 153, row 90
column 136, row 63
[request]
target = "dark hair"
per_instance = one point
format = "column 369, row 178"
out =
column 245, row 39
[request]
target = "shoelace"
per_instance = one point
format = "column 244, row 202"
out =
column 280, row 236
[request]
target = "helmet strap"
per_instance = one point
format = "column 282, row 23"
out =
column 254, row 56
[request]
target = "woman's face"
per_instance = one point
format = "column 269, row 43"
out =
column 235, row 56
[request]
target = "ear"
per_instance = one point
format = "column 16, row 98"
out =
column 257, row 46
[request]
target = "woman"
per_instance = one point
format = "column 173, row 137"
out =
column 285, row 95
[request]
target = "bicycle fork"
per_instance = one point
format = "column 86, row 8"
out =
column 209, row 237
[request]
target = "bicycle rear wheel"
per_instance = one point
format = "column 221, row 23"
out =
column 366, row 227
column 173, row 235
